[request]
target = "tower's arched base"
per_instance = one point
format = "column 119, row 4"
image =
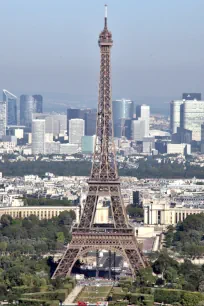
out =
column 121, row 241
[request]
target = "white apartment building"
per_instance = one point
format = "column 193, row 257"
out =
column 192, row 116
column 76, row 131
column 143, row 113
column 38, row 136
column 138, row 129
column 175, row 113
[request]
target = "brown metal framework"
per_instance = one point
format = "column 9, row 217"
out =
column 104, row 181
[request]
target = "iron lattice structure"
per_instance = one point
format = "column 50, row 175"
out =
column 103, row 181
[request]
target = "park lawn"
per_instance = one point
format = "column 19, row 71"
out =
column 94, row 294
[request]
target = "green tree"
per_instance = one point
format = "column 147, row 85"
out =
column 3, row 246
column 190, row 299
column 60, row 237
column 171, row 275
column 6, row 220
column 145, row 277
column 3, row 292
column 163, row 262
column 66, row 218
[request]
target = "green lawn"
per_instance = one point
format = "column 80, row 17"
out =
column 93, row 294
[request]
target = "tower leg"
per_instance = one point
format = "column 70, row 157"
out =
column 67, row 262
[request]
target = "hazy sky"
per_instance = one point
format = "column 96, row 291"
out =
column 50, row 46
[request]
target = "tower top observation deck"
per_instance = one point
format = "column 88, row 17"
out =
column 105, row 37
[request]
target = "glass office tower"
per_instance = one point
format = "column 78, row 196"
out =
column 11, row 107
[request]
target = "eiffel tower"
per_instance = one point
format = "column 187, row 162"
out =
column 103, row 181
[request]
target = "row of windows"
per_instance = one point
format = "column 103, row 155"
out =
column 182, row 216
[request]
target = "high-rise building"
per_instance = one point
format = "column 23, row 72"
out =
column 138, row 129
column 38, row 136
column 2, row 119
column 88, row 143
column 143, row 112
column 90, row 122
column 11, row 107
column 59, row 124
column 192, row 96
column 76, row 131
column 182, row 136
column 38, row 103
column 28, row 106
column 74, row 113
column 48, row 121
column 122, row 109
column 55, row 124
column 192, row 116
column 175, row 114
column 127, row 129
column 148, row 144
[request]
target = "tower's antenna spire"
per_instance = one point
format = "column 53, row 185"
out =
column 106, row 15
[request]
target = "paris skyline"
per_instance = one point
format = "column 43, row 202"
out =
column 157, row 54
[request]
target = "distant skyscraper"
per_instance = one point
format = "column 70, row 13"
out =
column 54, row 123
column 182, row 136
column 2, row 118
column 138, row 129
column 76, row 131
column 90, row 122
column 59, row 124
column 11, row 107
column 122, row 109
column 192, row 117
column 74, row 113
column 127, row 129
column 191, row 96
column 143, row 112
column 38, row 103
column 88, row 143
column 175, row 114
column 38, row 136
column 28, row 106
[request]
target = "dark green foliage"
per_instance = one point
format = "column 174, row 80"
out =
column 32, row 236
column 186, row 276
column 28, row 302
column 23, row 270
column 46, row 202
column 59, row 294
column 38, row 167
column 145, row 277
column 167, row 296
column 147, row 169
column 172, row 296
column 135, row 212
column 187, row 237
column 140, row 298
column 163, row 262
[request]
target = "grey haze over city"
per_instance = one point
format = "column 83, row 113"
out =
column 50, row 47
